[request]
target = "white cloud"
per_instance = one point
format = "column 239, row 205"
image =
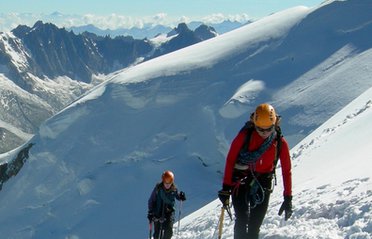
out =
column 113, row 21
column 219, row 17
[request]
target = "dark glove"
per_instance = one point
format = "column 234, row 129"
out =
column 150, row 216
column 182, row 196
column 224, row 195
column 287, row 207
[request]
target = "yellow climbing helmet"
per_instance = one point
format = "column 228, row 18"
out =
column 264, row 116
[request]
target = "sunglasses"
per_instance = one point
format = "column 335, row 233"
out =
column 267, row 130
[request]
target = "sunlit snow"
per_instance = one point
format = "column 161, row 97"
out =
column 95, row 163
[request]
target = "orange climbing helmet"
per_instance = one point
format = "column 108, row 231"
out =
column 264, row 116
column 167, row 177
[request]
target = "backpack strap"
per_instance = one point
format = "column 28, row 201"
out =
column 158, row 187
column 249, row 126
column 279, row 136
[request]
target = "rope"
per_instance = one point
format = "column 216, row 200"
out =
column 250, row 157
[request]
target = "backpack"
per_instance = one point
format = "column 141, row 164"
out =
column 249, row 126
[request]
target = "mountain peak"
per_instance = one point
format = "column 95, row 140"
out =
column 182, row 27
column 38, row 24
column 205, row 32
column 41, row 25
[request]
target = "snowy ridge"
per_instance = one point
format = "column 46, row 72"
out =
column 200, row 56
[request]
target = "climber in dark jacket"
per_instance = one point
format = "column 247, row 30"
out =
column 161, row 206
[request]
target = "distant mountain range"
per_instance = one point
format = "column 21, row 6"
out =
column 150, row 30
column 115, row 24
column 43, row 68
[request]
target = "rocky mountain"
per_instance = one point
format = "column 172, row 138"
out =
column 43, row 68
column 182, row 36
column 57, row 52
column 149, row 30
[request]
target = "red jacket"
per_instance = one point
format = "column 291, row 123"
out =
column 265, row 163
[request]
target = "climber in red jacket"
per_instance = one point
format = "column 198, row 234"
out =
column 250, row 169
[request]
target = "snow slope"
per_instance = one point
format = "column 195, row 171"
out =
column 95, row 163
column 332, row 185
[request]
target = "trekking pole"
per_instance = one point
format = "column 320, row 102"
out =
column 228, row 210
column 220, row 226
column 179, row 217
column 150, row 231
column 162, row 219
column 161, row 231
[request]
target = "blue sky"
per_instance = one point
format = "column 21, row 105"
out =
column 113, row 14
column 190, row 8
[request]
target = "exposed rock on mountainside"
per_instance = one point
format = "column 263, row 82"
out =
column 44, row 68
